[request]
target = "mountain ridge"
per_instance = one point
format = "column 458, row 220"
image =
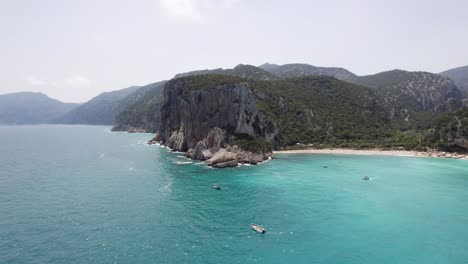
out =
column 459, row 76
column 31, row 108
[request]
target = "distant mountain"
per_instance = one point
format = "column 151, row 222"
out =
column 144, row 113
column 459, row 77
column 102, row 109
column 241, row 70
column 252, row 72
column 269, row 67
column 31, row 108
column 408, row 94
column 301, row 70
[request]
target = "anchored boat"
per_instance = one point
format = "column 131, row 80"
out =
column 258, row 228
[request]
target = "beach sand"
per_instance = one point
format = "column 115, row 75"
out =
column 374, row 152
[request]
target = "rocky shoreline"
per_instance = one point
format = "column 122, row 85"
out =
column 214, row 153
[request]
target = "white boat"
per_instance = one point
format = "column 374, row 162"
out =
column 217, row 187
column 257, row 228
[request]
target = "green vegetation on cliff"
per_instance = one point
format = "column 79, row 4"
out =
column 322, row 110
column 210, row 81
column 392, row 109
column 450, row 132
column 144, row 113
column 254, row 145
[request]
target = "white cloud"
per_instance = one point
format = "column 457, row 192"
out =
column 33, row 80
column 184, row 9
column 195, row 10
column 77, row 81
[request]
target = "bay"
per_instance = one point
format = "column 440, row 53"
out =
column 83, row 194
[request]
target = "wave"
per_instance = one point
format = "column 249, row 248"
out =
column 182, row 162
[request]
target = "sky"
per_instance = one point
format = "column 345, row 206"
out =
column 72, row 50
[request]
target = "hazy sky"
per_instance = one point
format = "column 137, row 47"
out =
column 73, row 50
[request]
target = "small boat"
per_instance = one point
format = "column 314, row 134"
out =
column 257, row 228
column 366, row 178
column 217, row 187
column 325, row 166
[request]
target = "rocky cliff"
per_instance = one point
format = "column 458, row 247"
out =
column 206, row 116
column 414, row 98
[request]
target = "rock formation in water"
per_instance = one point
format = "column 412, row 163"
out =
column 207, row 116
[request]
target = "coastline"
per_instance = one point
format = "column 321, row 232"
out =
column 375, row 152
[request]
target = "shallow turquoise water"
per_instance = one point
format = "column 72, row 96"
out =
column 81, row 194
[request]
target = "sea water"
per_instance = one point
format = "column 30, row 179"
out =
column 83, row 194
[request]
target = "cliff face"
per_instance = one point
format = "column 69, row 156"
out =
column 203, row 121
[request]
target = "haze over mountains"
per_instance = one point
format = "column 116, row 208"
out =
column 102, row 109
column 31, row 108
column 389, row 101
column 459, row 76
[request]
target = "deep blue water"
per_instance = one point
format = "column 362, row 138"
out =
column 82, row 194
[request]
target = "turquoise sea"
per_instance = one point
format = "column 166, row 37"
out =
column 82, row 194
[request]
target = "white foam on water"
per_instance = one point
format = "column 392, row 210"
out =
column 182, row 162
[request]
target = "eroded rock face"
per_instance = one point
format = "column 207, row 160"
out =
column 156, row 139
column 204, row 123
column 222, row 156
column 231, row 163
column 214, row 114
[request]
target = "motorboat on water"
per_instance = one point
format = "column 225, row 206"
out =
column 216, row 187
column 258, row 228
column 366, row 178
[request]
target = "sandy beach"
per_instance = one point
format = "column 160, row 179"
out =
column 375, row 152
